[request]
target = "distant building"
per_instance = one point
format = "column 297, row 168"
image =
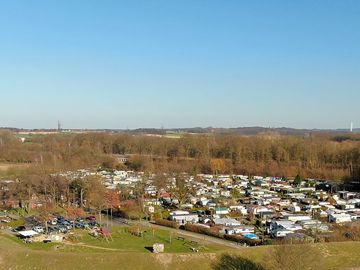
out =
column 339, row 218
column 183, row 217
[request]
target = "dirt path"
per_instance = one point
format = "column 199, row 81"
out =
column 6, row 166
column 90, row 246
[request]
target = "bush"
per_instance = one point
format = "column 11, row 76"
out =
column 203, row 230
column 136, row 230
column 230, row 262
column 241, row 239
column 166, row 223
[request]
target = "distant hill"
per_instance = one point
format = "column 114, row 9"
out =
column 246, row 131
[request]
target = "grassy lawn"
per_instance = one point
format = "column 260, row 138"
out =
column 19, row 242
column 15, row 255
column 338, row 254
column 124, row 240
column 15, row 223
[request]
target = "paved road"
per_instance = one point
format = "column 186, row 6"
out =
column 197, row 236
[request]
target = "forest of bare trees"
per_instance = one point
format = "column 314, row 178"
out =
column 319, row 156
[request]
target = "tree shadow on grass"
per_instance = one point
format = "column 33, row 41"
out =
column 232, row 262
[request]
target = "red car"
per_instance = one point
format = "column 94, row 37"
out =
column 92, row 218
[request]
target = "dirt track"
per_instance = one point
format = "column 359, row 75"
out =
column 6, row 166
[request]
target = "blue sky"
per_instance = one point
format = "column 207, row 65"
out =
column 129, row 64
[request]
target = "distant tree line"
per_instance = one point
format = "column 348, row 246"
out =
column 318, row 156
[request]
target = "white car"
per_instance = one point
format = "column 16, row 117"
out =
column 38, row 229
column 53, row 221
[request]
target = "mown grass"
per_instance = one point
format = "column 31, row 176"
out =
column 15, row 223
column 22, row 244
column 123, row 240
column 15, row 255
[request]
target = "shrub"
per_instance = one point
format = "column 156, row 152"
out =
column 241, row 239
column 230, row 262
column 166, row 223
column 203, row 230
column 136, row 230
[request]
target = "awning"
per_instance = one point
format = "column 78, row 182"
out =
column 28, row 233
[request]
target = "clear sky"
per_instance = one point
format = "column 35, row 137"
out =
column 129, row 64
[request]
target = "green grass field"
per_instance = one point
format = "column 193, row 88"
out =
column 123, row 240
column 129, row 252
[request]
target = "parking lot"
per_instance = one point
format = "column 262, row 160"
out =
column 35, row 230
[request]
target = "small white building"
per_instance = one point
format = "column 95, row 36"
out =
column 229, row 222
column 280, row 228
column 280, row 233
column 294, row 208
column 221, row 211
column 242, row 229
column 339, row 218
column 183, row 217
column 239, row 208
column 295, row 217
column 158, row 248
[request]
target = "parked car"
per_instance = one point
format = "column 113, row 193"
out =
column 62, row 229
column 38, row 229
column 79, row 225
column 79, row 219
column 53, row 221
column 91, row 218
column 60, row 219
column 67, row 224
column 50, row 230
column 93, row 224
column 19, row 229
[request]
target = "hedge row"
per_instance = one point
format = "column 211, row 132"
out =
column 203, row 230
column 243, row 240
column 166, row 223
